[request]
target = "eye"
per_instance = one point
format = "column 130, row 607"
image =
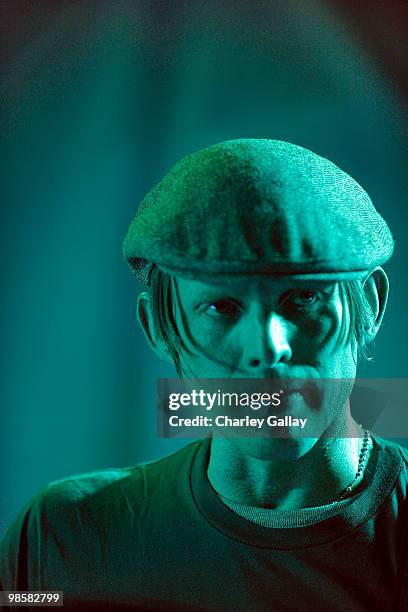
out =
column 303, row 298
column 223, row 308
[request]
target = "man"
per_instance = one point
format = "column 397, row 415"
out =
column 262, row 261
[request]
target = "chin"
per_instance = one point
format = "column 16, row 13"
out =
column 277, row 449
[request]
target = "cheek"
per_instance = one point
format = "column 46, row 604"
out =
column 216, row 348
column 321, row 330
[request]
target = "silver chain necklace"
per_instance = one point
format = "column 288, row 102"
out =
column 362, row 460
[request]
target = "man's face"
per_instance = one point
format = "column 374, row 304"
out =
column 265, row 329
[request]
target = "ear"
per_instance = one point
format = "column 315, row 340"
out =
column 376, row 289
column 146, row 321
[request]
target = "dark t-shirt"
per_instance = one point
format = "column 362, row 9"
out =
column 157, row 536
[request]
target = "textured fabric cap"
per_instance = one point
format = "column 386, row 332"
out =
column 257, row 207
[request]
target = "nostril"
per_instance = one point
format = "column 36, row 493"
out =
column 255, row 363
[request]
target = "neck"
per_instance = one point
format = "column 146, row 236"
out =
column 315, row 478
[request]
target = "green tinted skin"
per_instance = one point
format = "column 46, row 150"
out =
column 257, row 328
column 265, row 328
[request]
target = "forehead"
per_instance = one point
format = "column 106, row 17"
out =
column 251, row 287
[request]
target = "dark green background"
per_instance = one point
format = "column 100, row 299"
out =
column 100, row 99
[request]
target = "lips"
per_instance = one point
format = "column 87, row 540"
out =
column 310, row 392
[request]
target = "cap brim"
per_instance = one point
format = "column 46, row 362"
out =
column 220, row 278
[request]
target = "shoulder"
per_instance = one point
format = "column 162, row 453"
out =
column 392, row 464
column 72, row 513
column 102, row 488
column 392, row 448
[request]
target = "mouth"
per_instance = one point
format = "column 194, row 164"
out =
column 308, row 392
column 287, row 393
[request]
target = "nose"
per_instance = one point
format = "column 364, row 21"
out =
column 269, row 344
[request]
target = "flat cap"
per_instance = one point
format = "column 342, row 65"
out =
column 257, row 207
